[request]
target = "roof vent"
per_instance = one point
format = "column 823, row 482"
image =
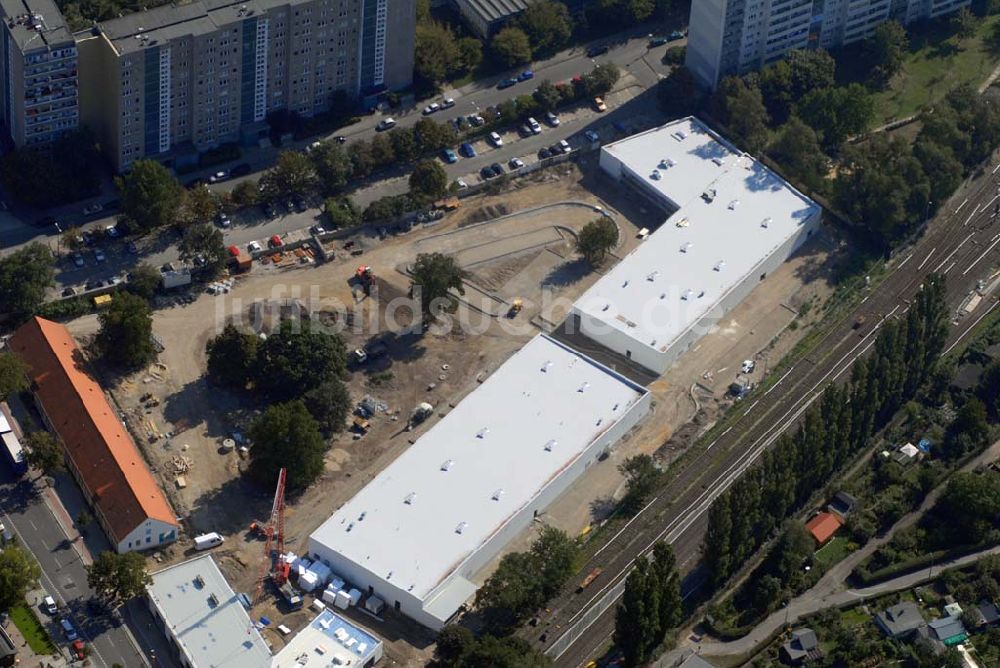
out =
column 551, row 445
column 497, row 494
column 350, row 526
column 199, row 581
column 720, row 265
column 447, row 464
column 732, row 205
column 388, row 575
column 701, row 294
column 583, row 388
column 625, row 284
column 599, row 421
column 615, row 407
column 686, row 246
column 547, row 366
column 652, row 275
column 482, row 432
column 361, row 517
column 606, row 307
column 687, row 294
column 709, row 195
column 655, row 175
column 765, row 223
column 663, row 295
column 719, row 161
column 462, row 526
column 683, row 222
column 410, row 498
column 213, row 601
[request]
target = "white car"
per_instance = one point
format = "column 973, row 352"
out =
column 495, row 139
column 536, row 129
column 313, row 146
column 111, row 232
column 432, row 108
column 461, row 184
column 551, row 119
column 99, row 255
column 218, row 176
column 564, row 146
column 748, row 366
column 447, row 103
column 516, row 163
column 385, row 124
column 49, row 605
column 254, row 247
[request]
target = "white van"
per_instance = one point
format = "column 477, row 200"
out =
column 207, row 541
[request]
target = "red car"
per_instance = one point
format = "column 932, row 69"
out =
column 276, row 241
column 234, row 251
column 78, row 649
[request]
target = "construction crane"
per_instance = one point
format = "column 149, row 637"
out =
column 274, row 536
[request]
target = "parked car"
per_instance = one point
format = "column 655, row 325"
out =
column 544, row 153
column 68, row 292
column 447, row 103
column 449, row 156
column 99, row 255
column 677, row 34
column 111, row 232
column 254, row 247
column 495, row 139
column 91, row 209
column 79, row 649
column 241, row 169
column 275, row 241
column 591, row 136
column 222, row 220
column 268, row 209
column 49, row 605
column 476, row 120
column 600, row 50
column 506, row 83
column 317, row 230
column 467, row 150
column 385, row 124
column 515, row 163
column 300, row 203
column 486, row 172
column 526, row 75
column 340, row 139
column 657, row 41
column 524, row 131
column 564, row 146
column 68, row 629
column 431, row 108
column 748, row 366
column 599, row 104
column 93, row 284
column 551, row 119
column 536, row 129
column 219, row 176
column 78, row 260
column 461, row 184
column 497, row 169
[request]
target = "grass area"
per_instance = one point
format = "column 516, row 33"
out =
column 834, row 551
column 937, row 62
column 32, row 630
column 854, row 617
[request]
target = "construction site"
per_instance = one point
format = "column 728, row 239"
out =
column 518, row 246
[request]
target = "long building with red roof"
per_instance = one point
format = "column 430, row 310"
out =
column 100, row 454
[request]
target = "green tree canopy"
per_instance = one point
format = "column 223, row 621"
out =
column 245, row 193
column 511, row 47
column 151, row 197
column 428, row 180
column 125, row 337
column 144, row 280
column 332, row 165
column 432, row 277
column 740, row 108
column 200, row 205
column 596, row 238
column 329, row 404
column 118, row 578
column 25, row 275
column 13, row 374
column 44, row 452
column 837, row 113
column 971, row 504
column 231, row 357
column 204, row 240
column 297, row 358
column 292, row 174
column 797, row 149
column 641, row 477
column 339, row 212
column 887, row 51
column 784, row 82
column 547, row 25
column 285, row 435
column 18, row 572
column 436, row 52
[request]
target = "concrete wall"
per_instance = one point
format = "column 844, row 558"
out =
column 147, row 536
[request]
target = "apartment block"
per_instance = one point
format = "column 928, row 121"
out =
column 735, row 36
column 174, row 81
column 38, row 73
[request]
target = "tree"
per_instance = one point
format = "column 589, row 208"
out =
column 595, row 240
column 640, row 10
column 555, row 553
column 204, row 240
column 507, row 652
column 601, row 79
column 470, row 53
column 740, row 108
column 200, row 205
column 18, row 572
column 151, row 196
column 837, row 113
column 13, row 375
column 964, row 23
column 231, row 357
column 547, row 25
column 44, row 452
column 329, row 404
column 547, row 96
column 797, row 149
column 400, row 144
column 510, row 592
column 668, row 580
column 245, row 193
column 332, row 165
column 297, row 358
column 143, row 280
column 788, row 80
column 637, row 623
column 971, row 504
column 887, row 51
column 943, row 169
column 679, row 93
column 339, row 212
column 969, row 432
column 118, row 578
column 453, row 643
column 428, row 181
column 641, row 476
column 125, row 338
column 83, row 518
column 286, row 436
column 292, row 174
column 433, row 277
column 511, row 46
column 71, row 239
column 362, row 160
column 433, row 136
column 25, row 275
column 435, row 51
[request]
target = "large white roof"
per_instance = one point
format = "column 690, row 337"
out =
column 473, row 471
column 704, row 249
column 206, row 617
column 329, row 640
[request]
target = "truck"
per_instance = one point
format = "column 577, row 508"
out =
column 288, row 593
column 207, row 541
column 176, row 278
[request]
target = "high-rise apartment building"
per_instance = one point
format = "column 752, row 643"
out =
column 38, row 73
column 734, row 36
column 177, row 80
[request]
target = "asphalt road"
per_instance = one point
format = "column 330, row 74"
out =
column 961, row 243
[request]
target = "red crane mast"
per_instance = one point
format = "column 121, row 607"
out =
column 274, row 534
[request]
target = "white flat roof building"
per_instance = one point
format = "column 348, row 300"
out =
column 329, row 640
column 731, row 221
column 419, row 531
column 203, row 618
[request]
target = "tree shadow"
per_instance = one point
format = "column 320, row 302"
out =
column 567, row 273
column 229, row 508
column 198, row 403
column 602, row 508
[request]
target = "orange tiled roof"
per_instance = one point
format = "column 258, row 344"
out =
column 823, row 526
column 95, row 439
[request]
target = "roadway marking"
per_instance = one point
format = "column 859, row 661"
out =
column 33, row 527
column 926, row 258
column 988, row 249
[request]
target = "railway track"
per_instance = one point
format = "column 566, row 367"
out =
column 962, row 243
